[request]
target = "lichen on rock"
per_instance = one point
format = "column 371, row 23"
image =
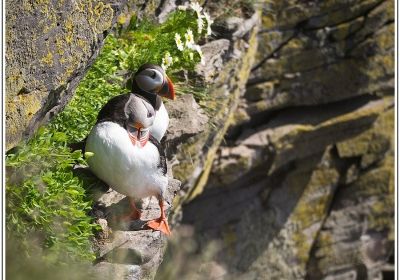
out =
column 47, row 54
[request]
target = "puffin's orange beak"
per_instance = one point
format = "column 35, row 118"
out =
column 138, row 135
column 137, row 125
column 168, row 90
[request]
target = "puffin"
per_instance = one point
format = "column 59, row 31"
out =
column 151, row 82
column 126, row 155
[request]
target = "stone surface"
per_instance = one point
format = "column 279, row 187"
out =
column 127, row 249
column 186, row 120
column 358, row 234
column 292, row 134
column 225, row 80
column 297, row 189
column 48, row 53
column 286, row 166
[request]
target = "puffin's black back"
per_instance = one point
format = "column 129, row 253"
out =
column 114, row 110
column 163, row 160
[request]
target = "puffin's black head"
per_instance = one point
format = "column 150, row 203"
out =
column 151, row 79
column 138, row 112
column 139, row 116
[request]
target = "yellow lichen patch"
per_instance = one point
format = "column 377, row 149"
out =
column 240, row 116
column 385, row 38
column 82, row 44
column 294, row 44
column 122, row 18
column 60, row 47
column 63, row 60
column 98, row 9
column 268, row 20
column 19, row 112
column 378, row 184
column 42, row 2
column 27, row 6
column 104, row 17
column 48, row 59
column 372, row 142
column 69, row 27
column 312, row 209
column 341, row 31
column 355, row 146
column 14, row 82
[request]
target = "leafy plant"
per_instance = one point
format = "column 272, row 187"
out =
column 171, row 44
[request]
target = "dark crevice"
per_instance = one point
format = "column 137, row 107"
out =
column 364, row 13
column 264, row 118
column 342, row 167
column 23, row 91
column 159, row 8
column 366, row 37
column 260, row 63
column 301, row 27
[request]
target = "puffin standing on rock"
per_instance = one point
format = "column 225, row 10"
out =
column 127, row 154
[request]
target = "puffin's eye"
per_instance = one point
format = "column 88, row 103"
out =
column 153, row 75
column 149, row 114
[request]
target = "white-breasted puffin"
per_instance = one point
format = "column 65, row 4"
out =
column 125, row 154
column 151, row 82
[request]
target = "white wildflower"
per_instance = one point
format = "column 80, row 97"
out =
column 196, row 7
column 200, row 25
column 182, row 8
column 189, row 39
column 178, row 42
column 197, row 48
column 209, row 22
column 166, row 61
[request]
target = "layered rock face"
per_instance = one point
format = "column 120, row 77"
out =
column 302, row 188
column 287, row 167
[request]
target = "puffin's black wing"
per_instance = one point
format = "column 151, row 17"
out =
column 114, row 110
column 163, row 160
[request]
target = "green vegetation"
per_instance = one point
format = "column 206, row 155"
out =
column 47, row 203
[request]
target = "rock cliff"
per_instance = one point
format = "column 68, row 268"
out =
column 302, row 186
column 287, row 167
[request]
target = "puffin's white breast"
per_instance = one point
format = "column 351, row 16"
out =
column 160, row 123
column 129, row 169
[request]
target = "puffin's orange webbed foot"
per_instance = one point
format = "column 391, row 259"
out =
column 160, row 224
